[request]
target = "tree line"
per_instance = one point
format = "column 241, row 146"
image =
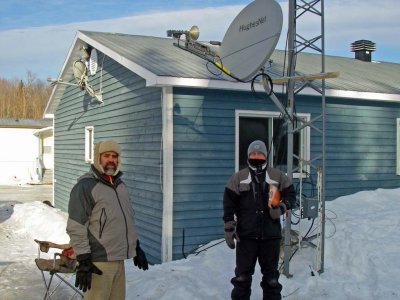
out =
column 23, row 98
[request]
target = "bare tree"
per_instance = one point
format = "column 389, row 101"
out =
column 23, row 98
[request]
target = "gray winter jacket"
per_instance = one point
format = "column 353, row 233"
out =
column 101, row 218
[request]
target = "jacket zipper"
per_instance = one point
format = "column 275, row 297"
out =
column 102, row 225
column 126, row 223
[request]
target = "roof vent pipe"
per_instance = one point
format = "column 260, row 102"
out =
column 363, row 49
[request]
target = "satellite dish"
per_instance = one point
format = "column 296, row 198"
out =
column 80, row 70
column 251, row 38
column 80, row 73
column 93, row 62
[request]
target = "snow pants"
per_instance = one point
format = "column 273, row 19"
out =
column 110, row 285
column 247, row 253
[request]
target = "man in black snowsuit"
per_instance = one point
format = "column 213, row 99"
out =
column 254, row 221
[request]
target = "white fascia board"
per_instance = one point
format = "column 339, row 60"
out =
column 46, row 129
column 150, row 77
column 246, row 86
column 48, row 116
column 167, row 173
column 80, row 40
column 206, row 83
column 353, row 95
column 46, row 113
column 58, row 89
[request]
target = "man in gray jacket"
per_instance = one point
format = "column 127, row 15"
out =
column 101, row 226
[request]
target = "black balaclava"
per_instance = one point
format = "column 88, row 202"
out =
column 259, row 166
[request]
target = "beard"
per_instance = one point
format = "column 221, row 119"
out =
column 109, row 169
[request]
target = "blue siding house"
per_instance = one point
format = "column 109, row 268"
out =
column 184, row 131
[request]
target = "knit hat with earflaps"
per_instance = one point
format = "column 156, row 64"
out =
column 105, row 146
column 257, row 146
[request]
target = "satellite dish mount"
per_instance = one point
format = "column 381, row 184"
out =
column 80, row 70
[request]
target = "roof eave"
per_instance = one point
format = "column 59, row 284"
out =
column 246, row 86
column 65, row 75
column 353, row 95
column 202, row 83
column 74, row 53
column 155, row 80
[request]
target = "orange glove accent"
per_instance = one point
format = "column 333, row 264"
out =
column 274, row 196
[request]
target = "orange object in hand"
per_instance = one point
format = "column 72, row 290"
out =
column 274, row 196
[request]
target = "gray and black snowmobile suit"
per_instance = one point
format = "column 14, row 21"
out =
column 248, row 200
column 246, row 197
column 101, row 218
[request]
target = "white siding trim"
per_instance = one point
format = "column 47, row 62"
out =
column 353, row 95
column 58, row 89
column 231, row 85
column 168, row 172
column 398, row 146
column 139, row 70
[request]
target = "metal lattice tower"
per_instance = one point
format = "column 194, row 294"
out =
column 299, row 10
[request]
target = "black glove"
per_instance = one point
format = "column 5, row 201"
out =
column 230, row 234
column 276, row 211
column 140, row 259
column 84, row 272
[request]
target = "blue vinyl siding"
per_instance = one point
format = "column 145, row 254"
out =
column 360, row 153
column 204, row 160
column 361, row 146
column 130, row 114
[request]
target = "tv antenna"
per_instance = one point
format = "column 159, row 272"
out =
column 80, row 71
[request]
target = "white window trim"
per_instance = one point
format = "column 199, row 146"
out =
column 398, row 146
column 89, row 144
column 306, row 140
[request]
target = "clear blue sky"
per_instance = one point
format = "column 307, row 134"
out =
column 17, row 14
column 43, row 30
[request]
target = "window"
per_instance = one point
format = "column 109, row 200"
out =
column 89, row 138
column 398, row 147
column 270, row 128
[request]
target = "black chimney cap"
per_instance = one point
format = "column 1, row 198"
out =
column 363, row 50
column 361, row 45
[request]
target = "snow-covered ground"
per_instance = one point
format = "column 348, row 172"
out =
column 361, row 256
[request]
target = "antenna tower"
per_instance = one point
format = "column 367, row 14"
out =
column 299, row 10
